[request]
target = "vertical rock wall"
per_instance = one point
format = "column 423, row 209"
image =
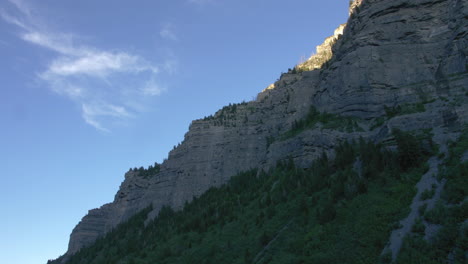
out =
column 390, row 53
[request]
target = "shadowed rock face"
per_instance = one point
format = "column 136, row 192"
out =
column 390, row 53
column 92, row 225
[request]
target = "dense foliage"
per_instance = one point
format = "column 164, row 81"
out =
column 150, row 171
column 328, row 121
column 339, row 211
column 226, row 115
column 449, row 215
column 404, row 109
column 314, row 118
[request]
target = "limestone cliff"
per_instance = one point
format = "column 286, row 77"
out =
column 390, row 55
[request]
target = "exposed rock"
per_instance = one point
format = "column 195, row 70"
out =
column 323, row 52
column 353, row 4
column 427, row 182
column 390, row 53
column 464, row 158
column 395, row 52
column 94, row 224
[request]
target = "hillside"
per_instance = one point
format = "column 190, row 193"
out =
column 339, row 211
column 392, row 81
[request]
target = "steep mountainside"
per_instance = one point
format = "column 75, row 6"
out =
column 395, row 64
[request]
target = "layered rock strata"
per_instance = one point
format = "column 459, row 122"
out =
column 390, row 54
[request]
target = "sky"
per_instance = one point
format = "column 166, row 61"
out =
column 92, row 88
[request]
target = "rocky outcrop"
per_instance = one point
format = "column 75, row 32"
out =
column 390, row 55
column 323, row 52
column 394, row 52
column 353, row 4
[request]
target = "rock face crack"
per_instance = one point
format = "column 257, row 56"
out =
column 362, row 68
column 425, row 183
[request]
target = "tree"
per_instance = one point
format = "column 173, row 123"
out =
column 409, row 149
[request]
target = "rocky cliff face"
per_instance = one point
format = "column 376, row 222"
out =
column 391, row 55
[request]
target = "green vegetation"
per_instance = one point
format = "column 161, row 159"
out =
column 270, row 140
column 443, row 98
column 224, row 116
column 427, row 194
column 404, row 109
column 149, row 172
column 411, row 151
column 452, row 237
column 328, row 213
column 377, row 122
column 418, row 227
column 450, row 214
column 456, row 188
column 299, row 68
column 295, row 70
column 328, row 121
column 313, row 118
column 422, row 209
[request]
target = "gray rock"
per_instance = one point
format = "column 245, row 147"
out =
column 390, row 53
column 464, row 157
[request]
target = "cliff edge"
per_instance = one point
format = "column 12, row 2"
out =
column 372, row 75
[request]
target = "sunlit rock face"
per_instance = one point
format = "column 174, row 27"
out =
column 353, row 4
column 393, row 52
column 323, row 52
column 389, row 53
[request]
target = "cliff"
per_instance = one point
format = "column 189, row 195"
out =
column 372, row 75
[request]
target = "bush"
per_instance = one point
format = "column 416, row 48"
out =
column 422, row 209
column 326, row 211
column 418, row 227
column 332, row 213
column 264, row 239
column 437, row 215
column 410, row 152
column 427, row 194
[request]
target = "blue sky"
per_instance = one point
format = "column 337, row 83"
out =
column 91, row 88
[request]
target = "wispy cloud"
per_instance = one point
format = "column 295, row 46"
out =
column 99, row 64
column 152, row 88
column 168, row 32
column 61, row 43
column 110, row 86
column 93, row 112
column 170, row 66
column 22, row 6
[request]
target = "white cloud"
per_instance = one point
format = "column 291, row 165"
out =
column 167, row 32
column 63, row 87
column 152, row 88
column 59, row 43
column 85, row 60
column 12, row 20
column 94, row 112
column 96, row 64
column 170, row 66
column 104, row 82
